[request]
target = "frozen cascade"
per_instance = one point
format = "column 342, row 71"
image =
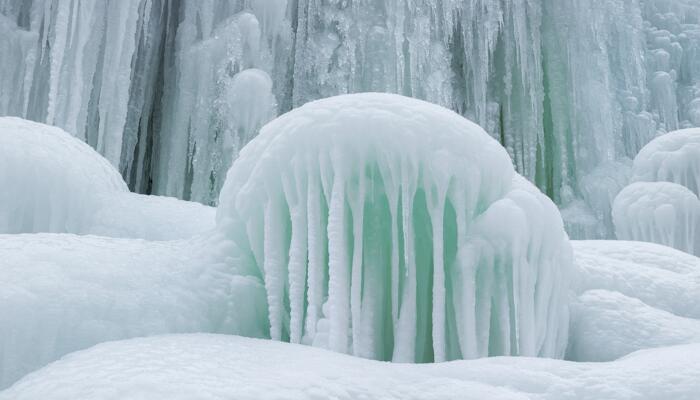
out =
column 569, row 87
column 376, row 222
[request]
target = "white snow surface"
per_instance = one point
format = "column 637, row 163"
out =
column 632, row 296
column 53, row 182
column 216, row 367
column 61, row 292
column 389, row 228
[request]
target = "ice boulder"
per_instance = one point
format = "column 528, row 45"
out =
column 390, row 228
column 658, row 212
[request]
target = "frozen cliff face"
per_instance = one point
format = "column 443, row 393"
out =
column 394, row 229
column 567, row 86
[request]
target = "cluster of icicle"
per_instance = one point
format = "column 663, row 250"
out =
column 393, row 229
column 662, row 205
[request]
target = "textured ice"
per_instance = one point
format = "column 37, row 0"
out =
column 659, row 212
column 220, row 367
column 394, row 229
column 53, row 182
column 61, row 292
column 631, row 296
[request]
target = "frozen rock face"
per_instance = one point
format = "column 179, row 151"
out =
column 394, row 229
column 53, row 182
column 659, row 212
column 567, row 86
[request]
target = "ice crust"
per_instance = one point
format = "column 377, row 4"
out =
column 390, row 228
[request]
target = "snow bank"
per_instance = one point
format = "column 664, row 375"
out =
column 394, row 229
column 53, row 182
column 631, row 296
column 229, row 367
column 658, row 212
column 60, row 293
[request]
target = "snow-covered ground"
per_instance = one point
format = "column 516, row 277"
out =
column 219, row 367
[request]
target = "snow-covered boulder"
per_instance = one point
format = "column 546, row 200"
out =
column 658, row 212
column 53, row 182
column 61, row 292
column 394, row 229
column 217, row 367
column 632, row 296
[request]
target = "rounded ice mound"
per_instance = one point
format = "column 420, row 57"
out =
column 658, row 212
column 48, row 178
column 673, row 157
column 394, row 229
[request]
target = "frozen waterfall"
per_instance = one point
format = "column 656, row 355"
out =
column 572, row 88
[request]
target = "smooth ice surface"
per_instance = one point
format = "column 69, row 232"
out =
column 659, row 212
column 568, row 86
column 632, row 296
column 60, row 293
column 53, row 182
column 391, row 228
column 228, row 367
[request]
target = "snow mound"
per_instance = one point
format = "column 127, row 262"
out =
column 60, row 293
column 659, row 212
column 228, row 367
column 394, row 229
column 673, row 157
column 50, row 179
column 632, row 296
column 53, row 182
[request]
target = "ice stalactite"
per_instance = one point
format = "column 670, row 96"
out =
column 384, row 234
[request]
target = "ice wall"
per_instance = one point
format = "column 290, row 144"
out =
column 394, row 229
column 572, row 88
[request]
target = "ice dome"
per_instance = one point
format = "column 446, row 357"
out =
column 659, row 212
column 391, row 228
column 673, row 157
column 49, row 178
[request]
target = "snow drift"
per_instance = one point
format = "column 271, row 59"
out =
column 394, row 229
